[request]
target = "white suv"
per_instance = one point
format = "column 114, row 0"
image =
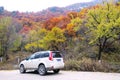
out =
column 42, row 62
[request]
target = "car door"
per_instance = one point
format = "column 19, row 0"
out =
column 35, row 62
column 29, row 61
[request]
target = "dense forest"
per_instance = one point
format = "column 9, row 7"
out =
column 84, row 37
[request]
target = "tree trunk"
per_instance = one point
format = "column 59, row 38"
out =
column 5, row 53
column 102, row 43
column 100, row 53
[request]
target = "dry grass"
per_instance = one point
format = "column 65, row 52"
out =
column 86, row 65
column 13, row 62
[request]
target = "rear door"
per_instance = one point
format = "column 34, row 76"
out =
column 58, row 59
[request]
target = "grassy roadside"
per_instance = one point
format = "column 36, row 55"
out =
column 84, row 64
column 91, row 65
column 13, row 60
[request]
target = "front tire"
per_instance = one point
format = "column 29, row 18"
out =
column 42, row 70
column 56, row 70
column 22, row 69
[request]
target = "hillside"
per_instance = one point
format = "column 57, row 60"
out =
column 78, row 6
column 83, row 32
column 73, row 7
column 59, row 10
column 44, row 16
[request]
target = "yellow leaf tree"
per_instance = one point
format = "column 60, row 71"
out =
column 54, row 39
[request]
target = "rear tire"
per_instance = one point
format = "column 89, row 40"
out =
column 42, row 70
column 22, row 69
column 56, row 70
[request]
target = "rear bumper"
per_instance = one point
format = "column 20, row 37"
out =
column 52, row 67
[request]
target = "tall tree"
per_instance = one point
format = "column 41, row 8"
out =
column 8, row 36
column 4, row 35
column 104, row 25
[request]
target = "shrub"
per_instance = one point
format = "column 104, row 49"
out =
column 86, row 65
column 72, row 65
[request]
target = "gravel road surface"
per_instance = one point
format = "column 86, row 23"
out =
column 63, row 75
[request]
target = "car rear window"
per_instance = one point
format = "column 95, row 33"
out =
column 56, row 55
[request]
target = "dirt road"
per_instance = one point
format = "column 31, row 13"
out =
column 63, row 75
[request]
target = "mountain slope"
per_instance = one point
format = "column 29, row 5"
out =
column 78, row 6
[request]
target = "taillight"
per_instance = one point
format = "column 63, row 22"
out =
column 50, row 56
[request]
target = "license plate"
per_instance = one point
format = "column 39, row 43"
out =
column 58, row 59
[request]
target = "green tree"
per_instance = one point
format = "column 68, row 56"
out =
column 4, row 35
column 8, row 36
column 104, row 25
column 34, row 39
column 54, row 39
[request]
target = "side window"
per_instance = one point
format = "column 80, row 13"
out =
column 32, row 56
column 38, row 55
column 46, row 54
column 42, row 55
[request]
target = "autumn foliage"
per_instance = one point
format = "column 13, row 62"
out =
column 66, row 31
